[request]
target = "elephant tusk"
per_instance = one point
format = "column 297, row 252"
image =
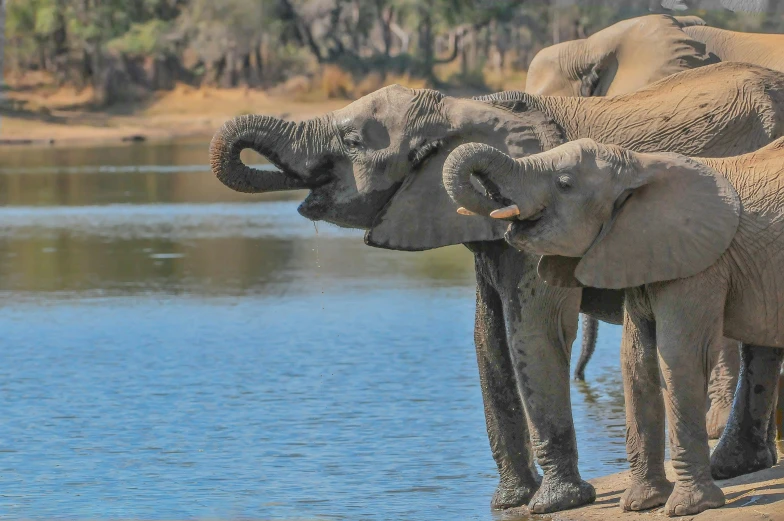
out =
column 506, row 212
column 465, row 211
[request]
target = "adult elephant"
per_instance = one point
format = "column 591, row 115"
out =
column 376, row 165
column 619, row 59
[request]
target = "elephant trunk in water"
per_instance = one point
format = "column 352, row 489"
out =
column 271, row 137
column 495, row 170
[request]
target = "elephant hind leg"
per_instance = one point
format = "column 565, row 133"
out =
column 725, row 363
column 648, row 487
column 747, row 445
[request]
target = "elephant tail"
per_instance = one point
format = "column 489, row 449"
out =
column 590, row 333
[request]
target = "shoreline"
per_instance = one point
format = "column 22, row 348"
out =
column 64, row 118
column 753, row 497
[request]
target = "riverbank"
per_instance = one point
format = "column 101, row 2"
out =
column 64, row 117
column 34, row 111
column 753, row 497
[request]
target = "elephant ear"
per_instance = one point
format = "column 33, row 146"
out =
column 422, row 216
column 679, row 218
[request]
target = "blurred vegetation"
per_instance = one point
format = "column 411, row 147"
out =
column 125, row 49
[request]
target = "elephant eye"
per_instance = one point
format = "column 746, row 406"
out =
column 564, row 182
column 352, row 141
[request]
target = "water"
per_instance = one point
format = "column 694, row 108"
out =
column 174, row 350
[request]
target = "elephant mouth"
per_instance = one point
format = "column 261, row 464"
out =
column 518, row 232
column 313, row 207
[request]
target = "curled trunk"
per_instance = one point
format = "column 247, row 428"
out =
column 502, row 177
column 270, row 137
column 483, row 161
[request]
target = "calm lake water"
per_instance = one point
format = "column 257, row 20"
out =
column 174, row 350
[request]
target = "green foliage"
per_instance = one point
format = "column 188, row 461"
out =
column 148, row 38
column 265, row 42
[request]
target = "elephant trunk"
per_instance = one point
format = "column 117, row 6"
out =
column 501, row 176
column 270, row 137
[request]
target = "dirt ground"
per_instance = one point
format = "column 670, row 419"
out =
column 754, row 497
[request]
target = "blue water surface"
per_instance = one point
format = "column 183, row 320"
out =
column 172, row 350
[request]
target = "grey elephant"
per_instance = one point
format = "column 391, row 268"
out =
column 376, row 165
column 696, row 244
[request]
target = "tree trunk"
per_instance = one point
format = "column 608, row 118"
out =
column 426, row 40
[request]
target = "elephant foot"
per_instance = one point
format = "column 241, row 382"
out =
column 693, row 498
column 642, row 495
column 555, row 495
column 510, row 496
column 716, row 420
column 737, row 457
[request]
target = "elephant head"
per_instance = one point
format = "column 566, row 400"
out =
column 603, row 216
column 619, row 59
column 376, row 164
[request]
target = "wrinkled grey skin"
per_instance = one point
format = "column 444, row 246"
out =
column 376, row 165
column 681, row 235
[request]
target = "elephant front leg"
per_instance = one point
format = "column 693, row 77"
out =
column 541, row 326
column 507, row 427
column 644, row 416
column 748, row 443
column 688, row 322
column 725, row 365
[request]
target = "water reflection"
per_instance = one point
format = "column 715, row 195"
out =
column 175, row 349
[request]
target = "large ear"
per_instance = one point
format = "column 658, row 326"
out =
column 422, row 216
column 679, row 219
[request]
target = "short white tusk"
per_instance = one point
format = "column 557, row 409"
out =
column 505, row 212
column 465, row 211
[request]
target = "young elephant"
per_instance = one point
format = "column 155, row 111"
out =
column 696, row 244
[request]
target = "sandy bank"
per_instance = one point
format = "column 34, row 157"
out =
column 754, row 497
column 63, row 117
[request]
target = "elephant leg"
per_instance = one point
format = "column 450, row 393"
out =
column 507, row 427
column 746, row 445
column 541, row 324
column 721, row 385
column 688, row 323
column 590, row 332
column 644, row 416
